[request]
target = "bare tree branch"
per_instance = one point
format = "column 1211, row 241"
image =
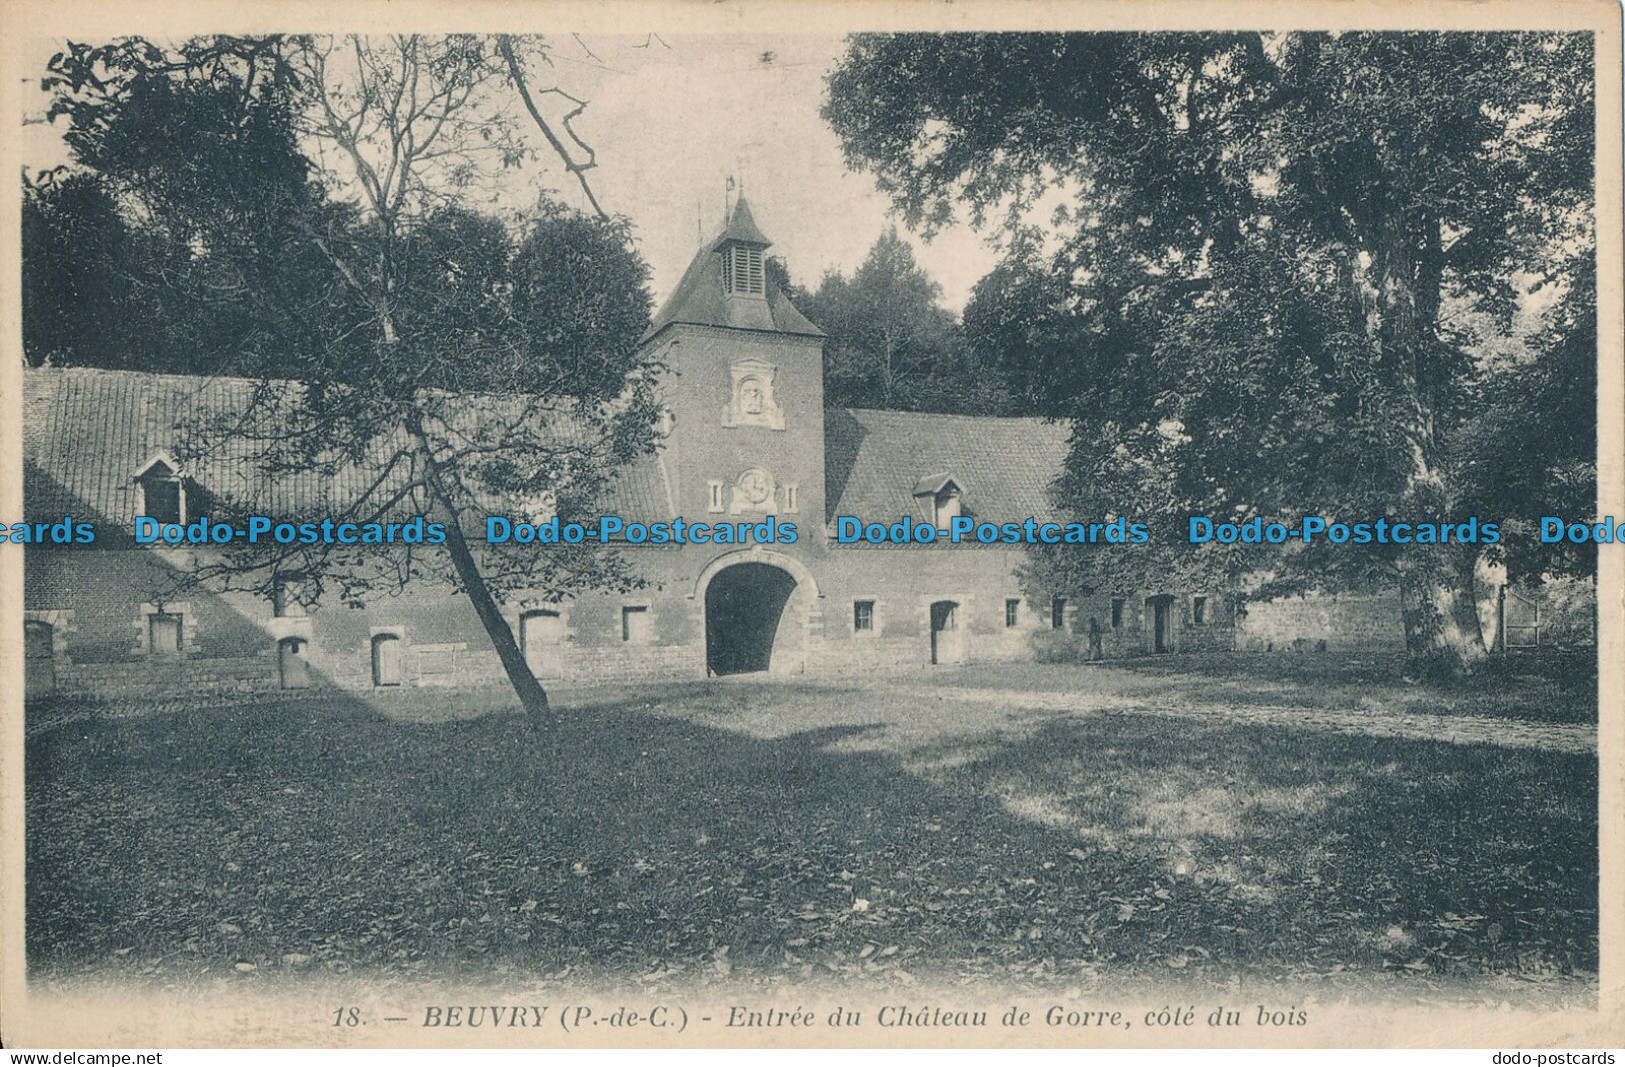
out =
column 505, row 45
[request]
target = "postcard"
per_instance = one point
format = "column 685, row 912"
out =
column 813, row 525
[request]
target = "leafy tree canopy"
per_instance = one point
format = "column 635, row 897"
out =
column 304, row 211
column 890, row 342
column 1238, row 292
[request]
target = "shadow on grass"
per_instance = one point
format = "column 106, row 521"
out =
column 1538, row 686
column 1324, row 853
column 322, row 837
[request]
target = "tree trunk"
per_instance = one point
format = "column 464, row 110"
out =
column 530, row 692
column 1439, row 603
column 1436, row 585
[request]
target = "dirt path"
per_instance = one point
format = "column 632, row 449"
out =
column 1572, row 738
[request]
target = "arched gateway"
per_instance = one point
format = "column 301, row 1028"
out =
column 744, row 605
column 756, row 604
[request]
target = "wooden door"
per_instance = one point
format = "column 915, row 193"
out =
column 1162, row 625
column 292, row 665
column 386, row 659
column 541, row 635
column 164, row 634
column 945, row 640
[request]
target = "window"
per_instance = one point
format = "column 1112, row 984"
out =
column 635, row 624
column 1199, row 610
column 939, row 499
column 1057, row 613
column 288, row 601
column 435, row 663
column 791, row 501
column 1012, row 611
column 162, row 496
column 386, row 659
column 164, row 634
column 1117, row 612
column 742, row 271
column 863, row 616
column 715, row 497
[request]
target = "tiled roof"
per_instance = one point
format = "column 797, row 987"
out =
column 88, row 432
column 742, row 227
column 875, row 462
column 699, row 300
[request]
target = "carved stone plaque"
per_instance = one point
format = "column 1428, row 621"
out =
column 752, row 402
column 753, row 491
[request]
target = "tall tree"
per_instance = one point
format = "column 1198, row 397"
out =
column 1245, row 288
column 1530, row 449
column 80, row 306
column 890, row 342
column 409, row 346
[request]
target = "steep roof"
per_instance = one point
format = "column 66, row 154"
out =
column 699, row 301
column 742, row 227
column 876, row 461
column 88, row 432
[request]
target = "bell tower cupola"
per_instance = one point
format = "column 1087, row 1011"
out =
column 744, row 277
column 743, row 389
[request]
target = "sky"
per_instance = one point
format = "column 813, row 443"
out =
column 670, row 125
column 671, row 121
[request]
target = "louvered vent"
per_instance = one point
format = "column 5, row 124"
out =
column 742, row 272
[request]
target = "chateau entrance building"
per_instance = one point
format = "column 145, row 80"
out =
column 748, row 444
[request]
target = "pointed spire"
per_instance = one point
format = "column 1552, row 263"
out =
column 742, row 229
column 726, row 285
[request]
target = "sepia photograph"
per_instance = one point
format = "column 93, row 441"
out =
column 829, row 525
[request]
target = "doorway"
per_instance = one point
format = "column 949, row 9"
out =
column 541, row 635
column 39, row 656
column 946, row 646
column 292, row 666
column 1161, row 609
column 386, row 659
column 744, row 607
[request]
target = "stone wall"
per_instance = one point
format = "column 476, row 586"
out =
column 1348, row 622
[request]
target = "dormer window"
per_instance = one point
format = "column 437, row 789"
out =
column 940, row 499
column 163, row 492
column 742, row 273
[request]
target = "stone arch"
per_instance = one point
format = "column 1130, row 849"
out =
column 757, row 554
column 758, row 609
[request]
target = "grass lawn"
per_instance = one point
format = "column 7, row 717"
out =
column 754, row 832
column 1544, row 686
